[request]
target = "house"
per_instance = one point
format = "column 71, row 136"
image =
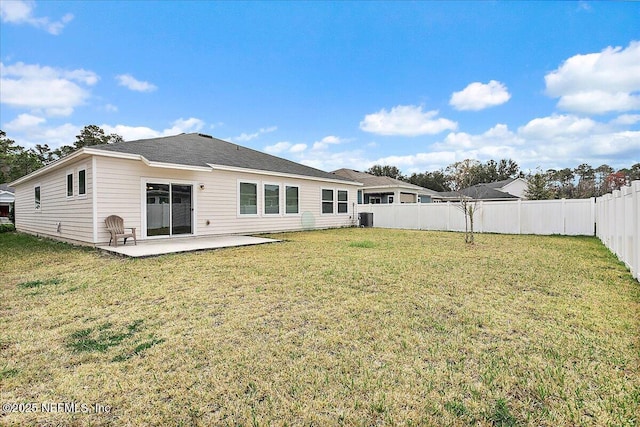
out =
column 384, row 189
column 176, row 186
column 7, row 198
column 508, row 189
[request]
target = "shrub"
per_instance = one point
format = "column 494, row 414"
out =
column 7, row 228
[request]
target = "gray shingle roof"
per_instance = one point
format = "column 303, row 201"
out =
column 194, row 149
column 5, row 187
column 484, row 192
column 379, row 181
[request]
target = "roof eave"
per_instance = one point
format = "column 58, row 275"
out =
column 51, row 166
column 282, row 174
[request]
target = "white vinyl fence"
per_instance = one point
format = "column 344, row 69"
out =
column 571, row 217
column 619, row 225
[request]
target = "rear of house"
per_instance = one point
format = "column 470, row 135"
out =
column 180, row 186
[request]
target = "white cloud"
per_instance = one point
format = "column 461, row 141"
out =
column 55, row 91
column 558, row 125
column 110, row 108
column 21, row 12
column 24, row 122
column 598, row 83
column 282, row 147
column 325, row 142
column 298, row 148
column 406, row 120
column 244, row 137
column 131, row 83
column 478, row 96
column 278, row 147
column 131, row 133
column 626, row 119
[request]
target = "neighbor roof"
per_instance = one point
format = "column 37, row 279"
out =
column 369, row 180
column 5, row 187
column 486, row 192
column 498, row 184
column 195, row 149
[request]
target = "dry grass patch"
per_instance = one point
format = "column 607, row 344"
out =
column 339, row 327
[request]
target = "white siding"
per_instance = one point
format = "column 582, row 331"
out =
column 120, row 192
column 59, row 216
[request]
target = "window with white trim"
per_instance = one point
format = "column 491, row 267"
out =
column 82, row 182
column 36, row 196
column 292, row 202
column 271, row 199
column 327, row 201
column 248, row 200
column 69, row 184
column 343, row 202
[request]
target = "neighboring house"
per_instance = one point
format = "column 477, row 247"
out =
column 384, row 189
column 508, row 189
column 183, row 185
column 514, row 186
column 7, row 198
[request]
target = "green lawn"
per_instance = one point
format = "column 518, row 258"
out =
column 341, row 327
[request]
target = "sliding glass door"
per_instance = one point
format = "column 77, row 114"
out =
column 181, row 209
column 169, row 209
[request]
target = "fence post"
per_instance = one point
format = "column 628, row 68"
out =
column 635, row 239
column 519, row 216
column 448, row 216
column 564, row 218
column 593, row 216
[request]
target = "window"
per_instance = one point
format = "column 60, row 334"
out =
column 70, row 184
column 271, row 199
column 292, row 204
column 327, row 201
column 248, row 198
column 343, row 201
column 82, row 182
column 36, row 193
column 390, row 199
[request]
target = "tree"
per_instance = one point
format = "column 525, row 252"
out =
column 562, row 183
column 8, row 150
column 463, row 175
column 601, row 174
column 89, row 135
column 614, row 181
column 507, row 168
column 538, row 186
column 436, row 181
column 390, row 171
column 586, row 181
column 95, row 135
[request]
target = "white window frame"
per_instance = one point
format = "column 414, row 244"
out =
column 66, row 184
column 297, row 187
column 258, row 197
column 323, row 201
column 338, row 202
column 82, row 169
column 264, row 202
column 37, row 203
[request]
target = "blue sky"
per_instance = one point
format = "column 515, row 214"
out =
column 418, row 85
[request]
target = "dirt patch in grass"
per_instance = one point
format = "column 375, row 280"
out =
column 338, row 327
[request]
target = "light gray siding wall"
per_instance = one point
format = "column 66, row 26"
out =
column 120, row 192
column 59, row 216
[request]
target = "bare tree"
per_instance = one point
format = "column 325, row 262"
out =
column 462, row 176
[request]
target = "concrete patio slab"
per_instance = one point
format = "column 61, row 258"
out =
column 156, row 247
